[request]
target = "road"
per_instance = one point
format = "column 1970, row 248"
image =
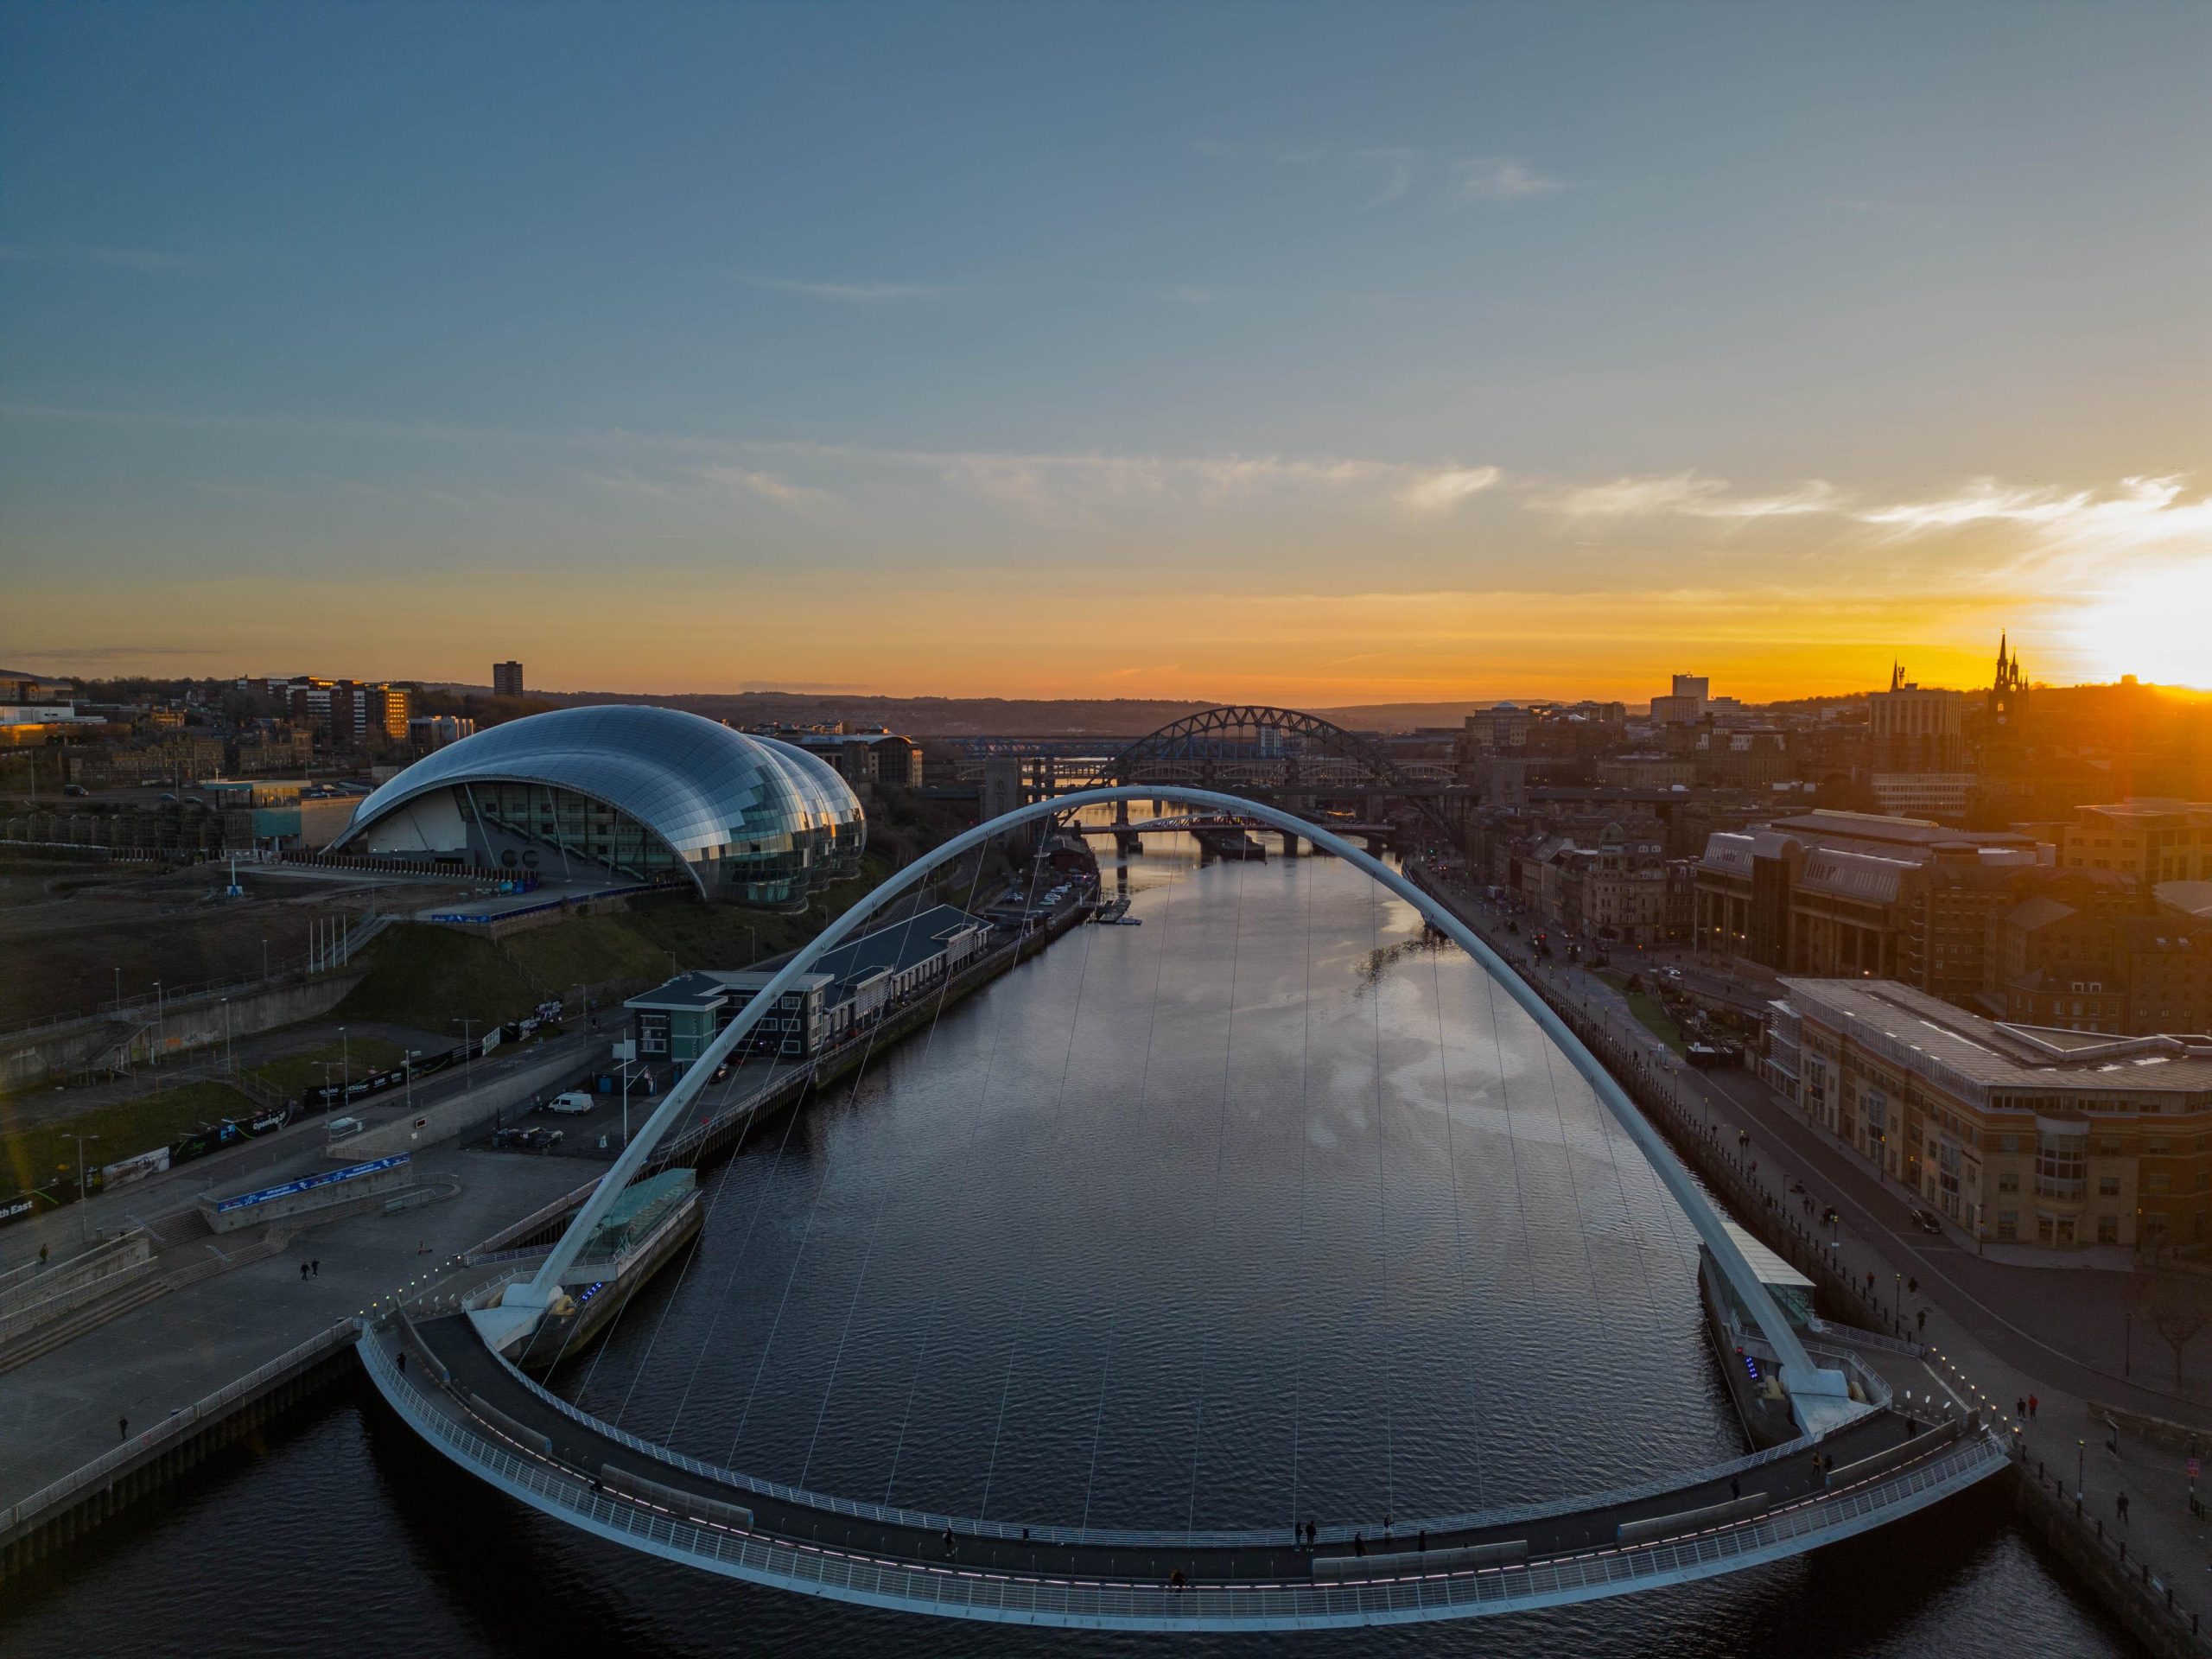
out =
column 1996, row 1332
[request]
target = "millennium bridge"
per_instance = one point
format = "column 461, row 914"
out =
column 1852, row 1459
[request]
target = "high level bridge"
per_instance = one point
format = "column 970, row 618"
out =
column 1853, row 1461
column 1299, row 761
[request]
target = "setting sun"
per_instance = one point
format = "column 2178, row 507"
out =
column 2153, row 627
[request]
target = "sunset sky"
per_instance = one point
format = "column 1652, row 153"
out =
column 1322, row 355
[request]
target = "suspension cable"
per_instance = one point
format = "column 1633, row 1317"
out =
column 1114, row 1319
column 1305, row 1150
column 882, row 1202
column 1028, row 1276
column 1458, row 1216
column 814, row 1205
column 1213, row 1224
column 937, row 1292
column 1382, row 1219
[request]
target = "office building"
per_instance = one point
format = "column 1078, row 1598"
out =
column 2018, row 1134
column 850, row 990
column 506, row 679
column 2152, row 838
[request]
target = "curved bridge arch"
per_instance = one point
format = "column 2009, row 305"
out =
column 1800, row 1377
column 553, row 1456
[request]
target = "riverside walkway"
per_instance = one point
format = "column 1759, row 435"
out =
column 484, row 1415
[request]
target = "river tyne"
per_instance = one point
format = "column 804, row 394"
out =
column 1266, row 1208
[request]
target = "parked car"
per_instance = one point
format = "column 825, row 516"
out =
column 74, row 789
column 574, row 1100
column 1927, row 1223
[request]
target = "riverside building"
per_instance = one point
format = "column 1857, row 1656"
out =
column 2016, row 1134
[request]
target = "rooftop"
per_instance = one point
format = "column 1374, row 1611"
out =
column 890, row 949
column 1923, row 1031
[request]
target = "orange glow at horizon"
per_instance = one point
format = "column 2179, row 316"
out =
column 964, row 639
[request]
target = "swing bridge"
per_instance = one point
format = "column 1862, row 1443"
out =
column 1856, row 1461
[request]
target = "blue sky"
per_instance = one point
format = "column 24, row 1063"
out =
column 1336, row 353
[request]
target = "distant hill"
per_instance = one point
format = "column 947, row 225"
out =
column 996, row 716
column 915, row 716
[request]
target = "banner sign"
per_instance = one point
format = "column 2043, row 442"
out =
column 378, row 1083
column 17, row 1208
column 308, row 1183
column 127, row 1170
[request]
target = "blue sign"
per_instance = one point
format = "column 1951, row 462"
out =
column 308, row 1183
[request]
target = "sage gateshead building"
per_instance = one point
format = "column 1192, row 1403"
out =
column 626, row 792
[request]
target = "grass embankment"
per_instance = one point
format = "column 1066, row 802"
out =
column 432, row 977
column 125, row 1128
column 1648, row 1012
column 291, row 1074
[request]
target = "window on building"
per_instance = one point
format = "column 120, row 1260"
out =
column 2107, row 1186
column 2160, row 1181
column 2107, row 1229
column 2008, row 1223
column 2062, row 1165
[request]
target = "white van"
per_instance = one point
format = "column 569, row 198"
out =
column 574, row 1100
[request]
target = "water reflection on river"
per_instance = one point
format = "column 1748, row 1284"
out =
column 1261, row 1209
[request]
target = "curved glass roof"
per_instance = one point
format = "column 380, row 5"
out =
column 707, row 790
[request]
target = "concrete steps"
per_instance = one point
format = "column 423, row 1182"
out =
column 192, row 1265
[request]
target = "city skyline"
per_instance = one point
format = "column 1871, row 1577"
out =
column 1456, row 355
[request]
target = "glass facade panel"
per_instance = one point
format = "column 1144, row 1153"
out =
column 646, row 792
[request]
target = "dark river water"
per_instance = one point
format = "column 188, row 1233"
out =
column 1263, row 1210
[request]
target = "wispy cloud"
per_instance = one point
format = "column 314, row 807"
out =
column 712, row 482
column 100, row 654
column 1395, row 173
column 850, row 293
column 1496, row 178
column 2077, row 536
column 143, row 260
column 1387, row 171
column 1689, row 494
column 1445, row 489
column 1982, row 500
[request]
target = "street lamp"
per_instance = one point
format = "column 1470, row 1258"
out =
column 467, row 1053
column 346, row 1062
column 83, row 1222
column 161, row 1022
column 228, row 1066
column 2081, row 1450
column 407, row 1066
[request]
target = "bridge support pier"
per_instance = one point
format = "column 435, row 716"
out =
column 1289, row 845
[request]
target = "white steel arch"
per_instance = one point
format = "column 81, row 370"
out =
column 1818, row 1397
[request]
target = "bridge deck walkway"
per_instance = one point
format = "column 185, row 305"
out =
column 582, row 1450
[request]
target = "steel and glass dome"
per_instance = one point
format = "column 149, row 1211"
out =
column 637, row 792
